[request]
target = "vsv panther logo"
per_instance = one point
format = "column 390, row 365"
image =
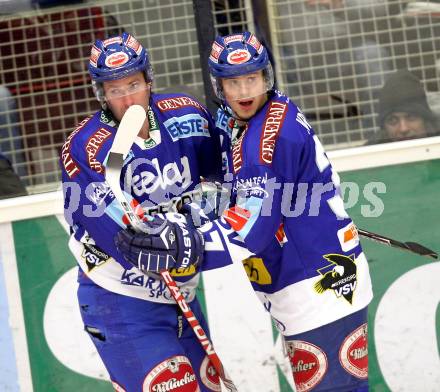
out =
column 168, row 178
column 339, row 275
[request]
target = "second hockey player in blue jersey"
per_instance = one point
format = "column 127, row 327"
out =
column 287, row 223
column 307, row 265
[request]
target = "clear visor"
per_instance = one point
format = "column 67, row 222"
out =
column 116, row 92
column 244, row 87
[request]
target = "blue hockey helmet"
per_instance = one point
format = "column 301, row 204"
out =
column 115, row 58
column 236, row 55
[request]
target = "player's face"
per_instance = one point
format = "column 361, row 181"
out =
column 122, row 93
column 402, row 125
column 245, row 94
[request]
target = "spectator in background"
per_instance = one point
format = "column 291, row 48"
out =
column 404, row 112
column 332, row 61
column 10, row 183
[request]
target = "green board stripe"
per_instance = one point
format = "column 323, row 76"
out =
column 42, row 257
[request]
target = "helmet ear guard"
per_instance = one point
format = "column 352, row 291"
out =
column 98, row 90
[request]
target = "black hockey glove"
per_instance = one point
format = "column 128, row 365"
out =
column 175, row 246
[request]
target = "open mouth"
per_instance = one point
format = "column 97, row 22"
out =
column 246, row 104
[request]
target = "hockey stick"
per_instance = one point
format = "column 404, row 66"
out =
column 412, row 247
column 128, row 129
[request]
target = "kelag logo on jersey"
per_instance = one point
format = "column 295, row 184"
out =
column 158, row 181
column 339, row 276
column 187, row 126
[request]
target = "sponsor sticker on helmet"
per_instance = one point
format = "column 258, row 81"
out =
column 238, row 56
column 116, row 60
column 209, row 375
column 94, row 55
column 113, row 40
column 309, row 364
column 253, row 41
column 353, row 353
column 134, row 44
column 215, row 52
column 233, row 38
column 174, row 374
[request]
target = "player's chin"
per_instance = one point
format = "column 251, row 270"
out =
column 244, row 115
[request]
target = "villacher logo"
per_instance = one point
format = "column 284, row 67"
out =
column 174, row 374
column 309, row 364
column 353, row 353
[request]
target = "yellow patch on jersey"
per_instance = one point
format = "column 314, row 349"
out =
column 191, row 270
column 257, row 271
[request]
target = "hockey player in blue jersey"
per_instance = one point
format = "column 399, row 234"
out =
column 138, row 330
column 314, row 277
column 287, row 223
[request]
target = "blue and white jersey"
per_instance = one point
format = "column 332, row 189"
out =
column 159, row 174
column 303, row 258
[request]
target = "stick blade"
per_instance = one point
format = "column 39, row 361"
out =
column 413, row 247
column 421, row 250
column 128, row 129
